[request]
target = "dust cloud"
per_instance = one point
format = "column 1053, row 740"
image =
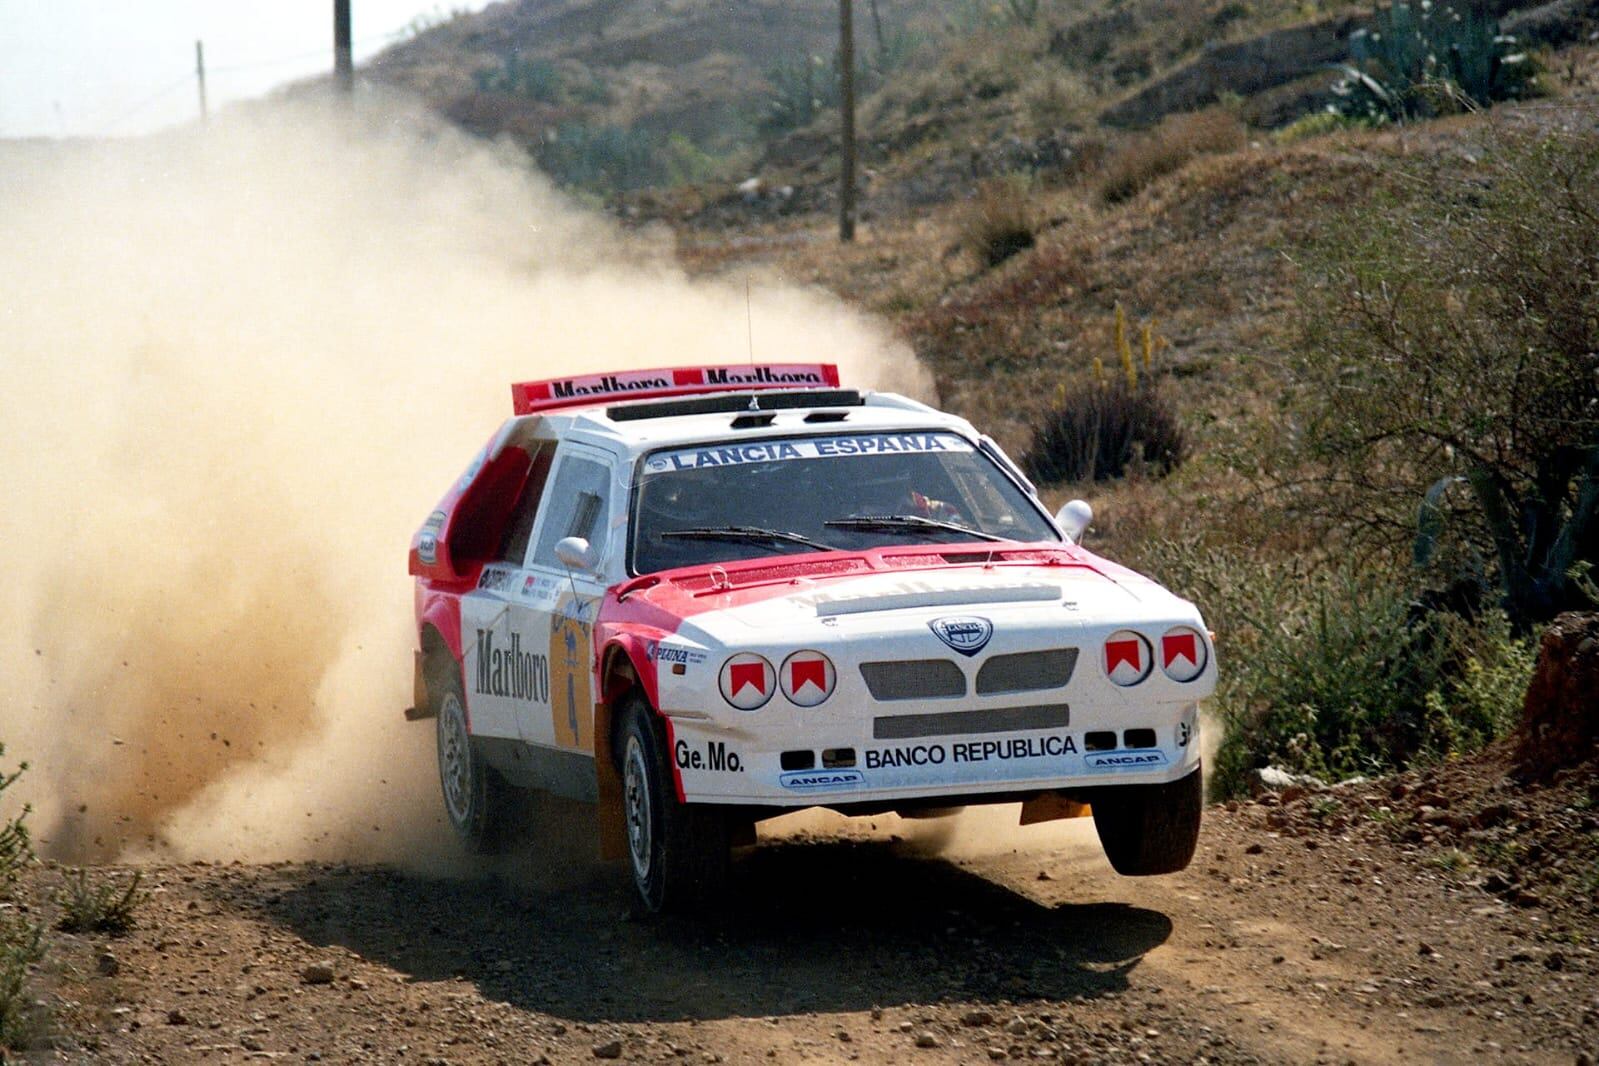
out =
column 240, row 364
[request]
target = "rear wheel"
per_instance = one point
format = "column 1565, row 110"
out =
column 678, row 853
column 475, row 796
column 1149, row 829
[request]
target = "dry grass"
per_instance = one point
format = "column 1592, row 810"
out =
column 1000, row 221
column 1167, row 148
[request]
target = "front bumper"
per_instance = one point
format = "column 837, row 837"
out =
column 720, row 762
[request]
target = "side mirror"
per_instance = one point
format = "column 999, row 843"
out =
column 1073, row 519
column 573, row 553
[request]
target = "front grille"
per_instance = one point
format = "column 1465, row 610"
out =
column 1026, row 671
column 914, row 679
column 961, row 723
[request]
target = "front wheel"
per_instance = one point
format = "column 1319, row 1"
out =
column 475, row 795
column 678, row 853
column 1149, row 829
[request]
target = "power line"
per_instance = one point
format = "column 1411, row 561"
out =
column 160, row 94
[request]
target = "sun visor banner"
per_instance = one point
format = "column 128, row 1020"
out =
column 768, row 451
column 529, row 397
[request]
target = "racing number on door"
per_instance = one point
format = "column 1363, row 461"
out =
column 571, row 702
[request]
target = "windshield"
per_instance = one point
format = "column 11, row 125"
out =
column 718, row 503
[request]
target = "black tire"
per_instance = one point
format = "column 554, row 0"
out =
column 1149, row 829
column 678, row 853
column 476, row 797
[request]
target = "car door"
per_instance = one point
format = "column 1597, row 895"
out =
column 582, row 502
column 503, row 642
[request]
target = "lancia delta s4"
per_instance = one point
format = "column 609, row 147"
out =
column 701, row 597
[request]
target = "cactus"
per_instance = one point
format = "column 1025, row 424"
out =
column 1418, row 57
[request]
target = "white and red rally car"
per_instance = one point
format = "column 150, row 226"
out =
column 701, row 597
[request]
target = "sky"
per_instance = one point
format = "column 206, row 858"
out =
column 96, row 68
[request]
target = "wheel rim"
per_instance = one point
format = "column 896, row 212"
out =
column 455, row 760
column 636, row 796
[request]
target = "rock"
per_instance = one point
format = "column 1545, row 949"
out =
column 107, row 964
column 1254, row 849
column 177, row 1017
column 1425, row 948
column 317, row 973
column 977, row 1017
column 251, row 1043
column 1560, row 718
column 997, row 1053
column 1017, row 1026
column 927, row 1038
column 610, row 1049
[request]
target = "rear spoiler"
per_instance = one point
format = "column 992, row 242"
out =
column 531, row 397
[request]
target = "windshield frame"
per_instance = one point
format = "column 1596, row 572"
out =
column 1003, row 469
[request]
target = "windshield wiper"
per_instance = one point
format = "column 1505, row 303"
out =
column 758, row 533
column 875, row 522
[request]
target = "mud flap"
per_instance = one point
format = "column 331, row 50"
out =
column 421, row 705
column 1050, row 806
column 612, row 822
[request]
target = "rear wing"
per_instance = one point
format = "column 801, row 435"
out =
column 531, row 397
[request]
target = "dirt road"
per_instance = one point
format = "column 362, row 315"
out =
column 1273, row 947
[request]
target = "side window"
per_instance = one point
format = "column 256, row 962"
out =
column 576, row 506
column 513, row 546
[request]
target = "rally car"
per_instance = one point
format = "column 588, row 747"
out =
column 700, row 597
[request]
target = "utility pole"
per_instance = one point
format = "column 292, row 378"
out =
column 343, row 62
column 199, row 73
column 846, row 99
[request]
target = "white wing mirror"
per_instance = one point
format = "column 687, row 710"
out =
column 574, row 553
column 1073, row 520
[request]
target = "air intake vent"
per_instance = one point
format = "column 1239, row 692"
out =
column 1026, row 671
column 914, row 679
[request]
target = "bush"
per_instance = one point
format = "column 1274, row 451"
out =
column 1425, row 59
column 536, row 79
column 105, row 905
column 1107, row 431
column 20, row 939
column 1167, row 148
column 1339, row 672
column 999, row 223
column 1448, row 338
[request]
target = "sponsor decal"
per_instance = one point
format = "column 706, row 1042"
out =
column 1183, row 654
column 967, row 634
column 427, row 547
column 715, row 758
column 1185, row 734
column 435, row 521
column 667, row 653
column 804, row 448
column 509, row 672
column 807, row 678
column 821, row 780
column 748, row 681
column 531, row 395
column 972, row 751
column 494, row 579
column 1127, row 657
column 572, row 709
column 910, row 755
column 1124, row 760
column 1012, row 748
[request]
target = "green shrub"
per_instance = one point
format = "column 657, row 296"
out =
column 99, row 905
column 1316, row 124
column 21, row 943
column 1443, row 381
column 1337, row 672
column 535, row 78
column 1424, row 59
column 1105, row 431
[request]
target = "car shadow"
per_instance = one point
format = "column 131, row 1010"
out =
column 830, row 926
